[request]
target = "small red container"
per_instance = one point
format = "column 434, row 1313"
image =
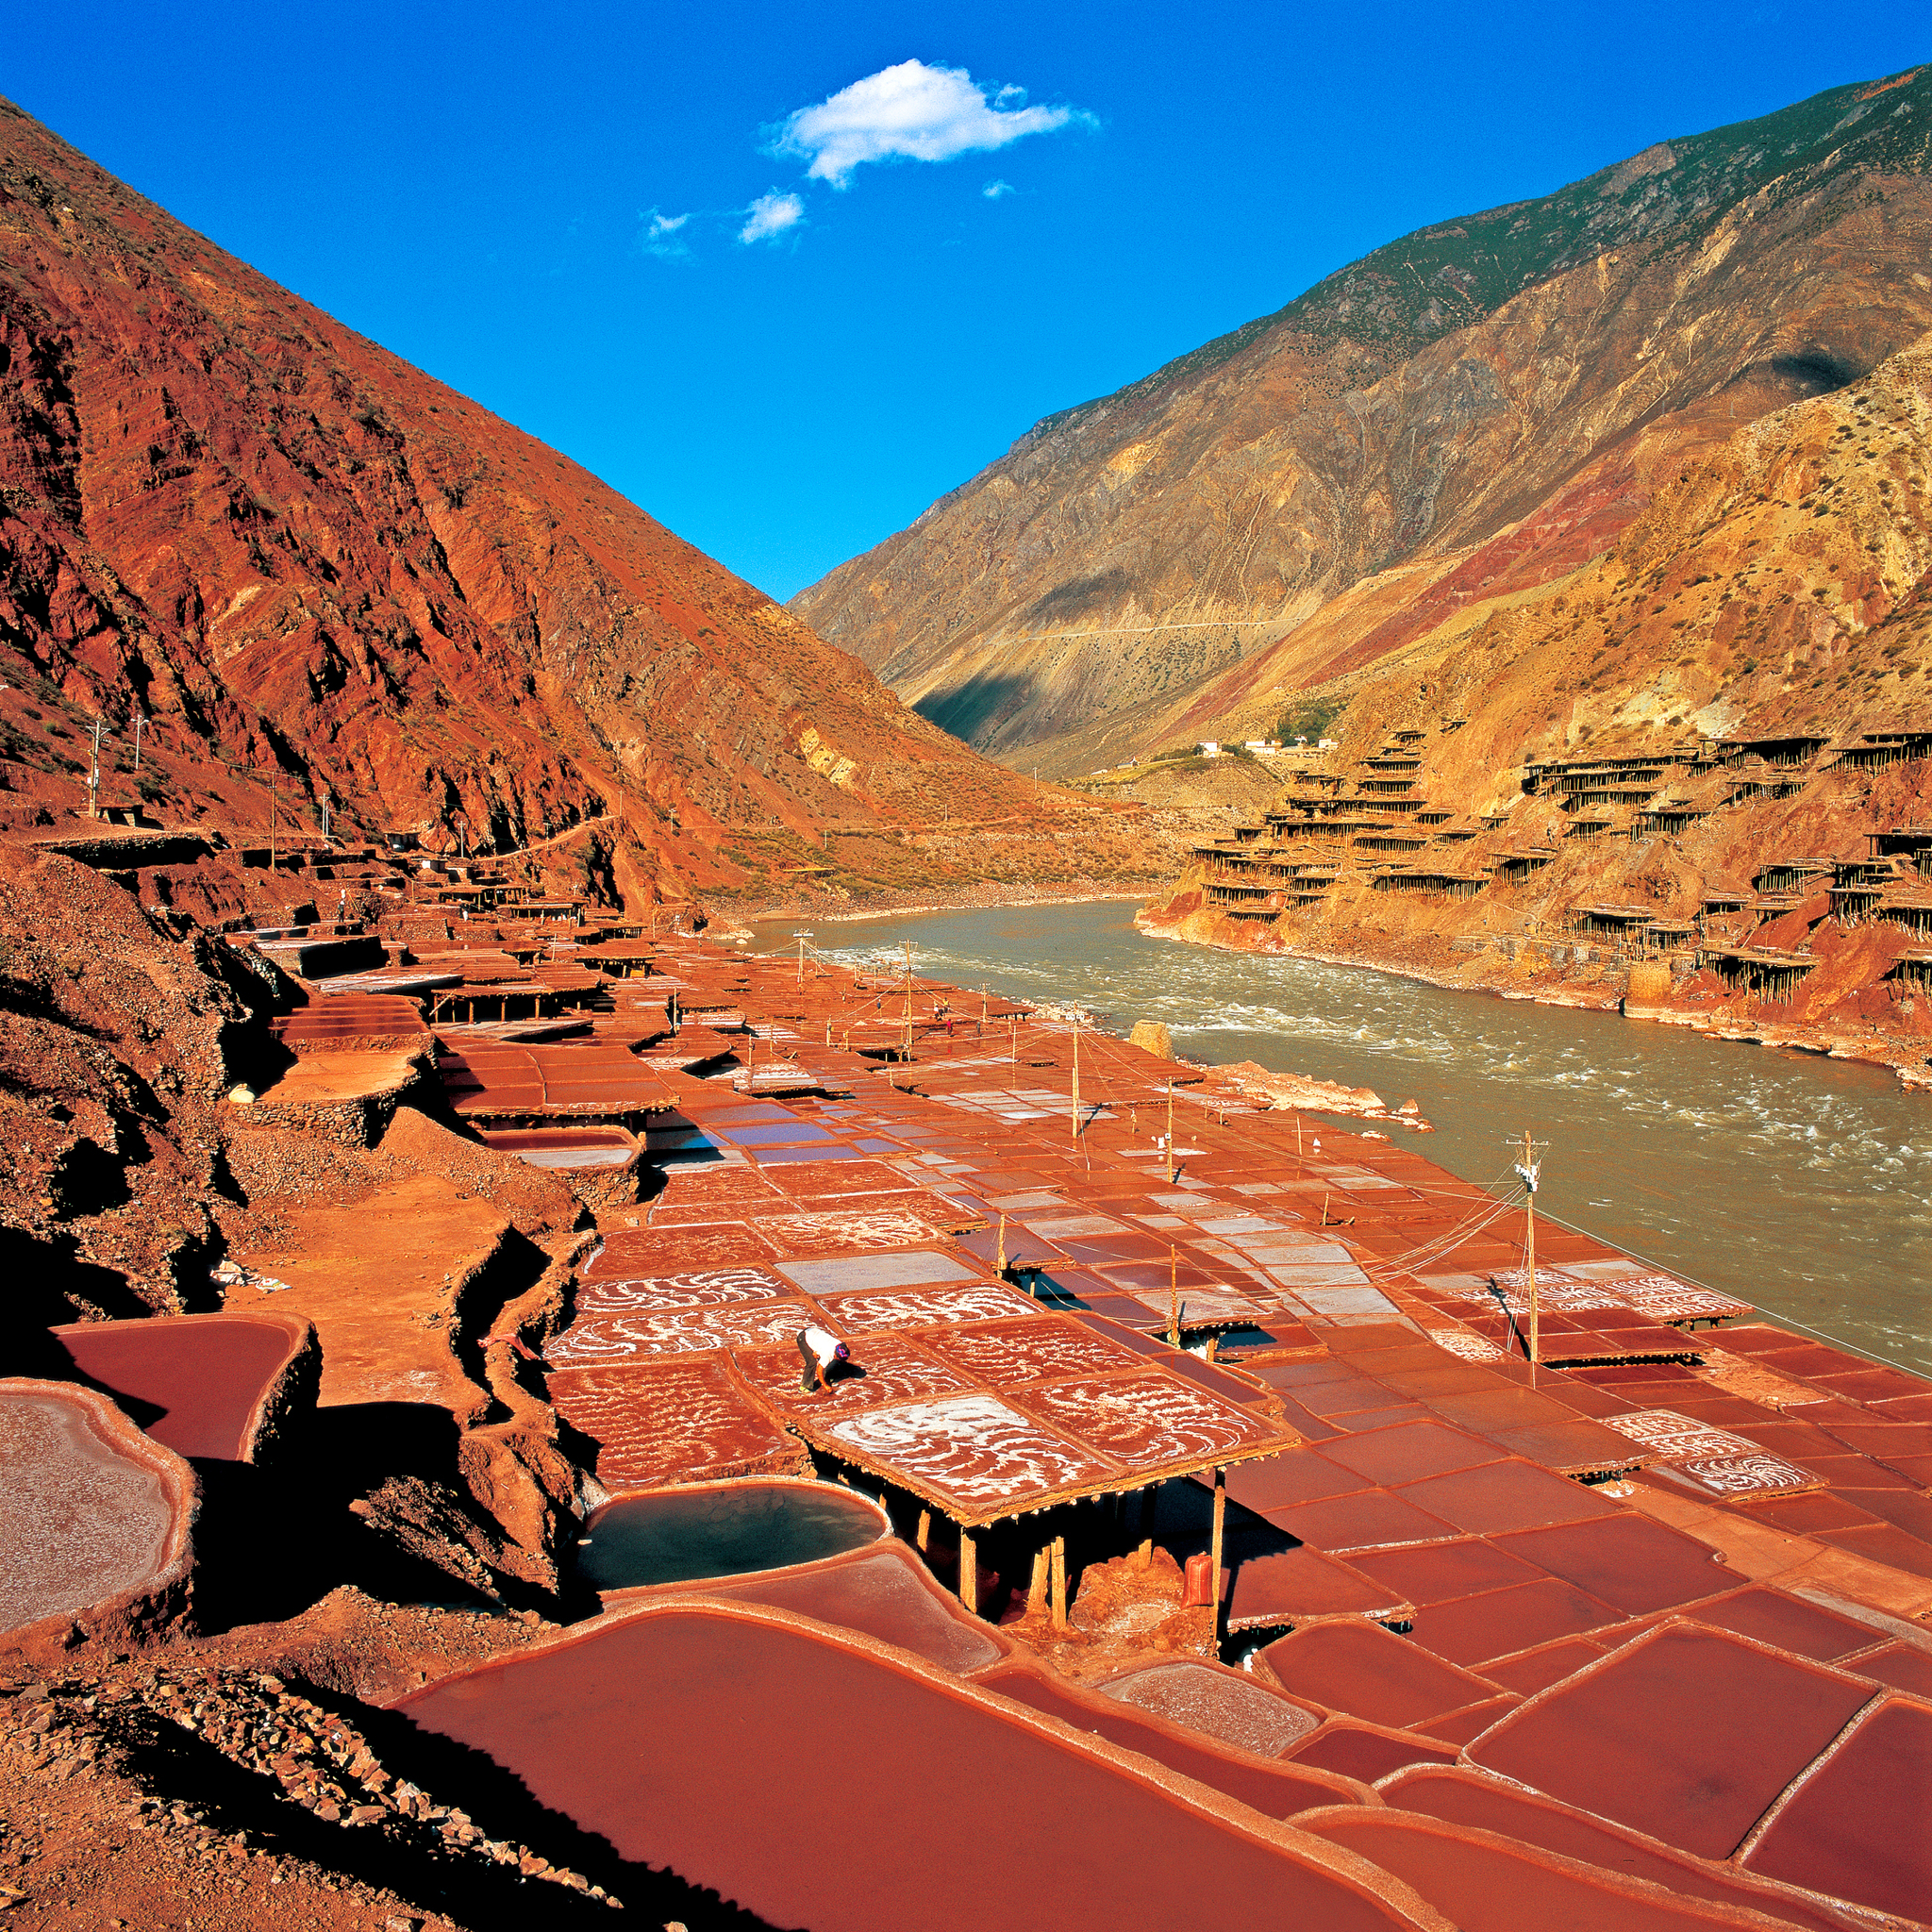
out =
column 1199, row 1576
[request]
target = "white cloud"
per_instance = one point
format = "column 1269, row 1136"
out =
column 662, row 237
column 911, row 111
column 769, row 217
column 998, row 191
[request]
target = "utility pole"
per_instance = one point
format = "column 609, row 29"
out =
column 97, row 733
column 139, row 726
column 1077, row 1077
column 324, row 822
column 801, row 937
column 271, row 819
column 1528, row 1168
column 908, row 999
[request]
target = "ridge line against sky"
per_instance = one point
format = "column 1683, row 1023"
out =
column 786, row 282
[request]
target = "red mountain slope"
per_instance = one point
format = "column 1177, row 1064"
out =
column 307, row 562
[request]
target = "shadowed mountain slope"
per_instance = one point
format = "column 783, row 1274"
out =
column 1519, row 379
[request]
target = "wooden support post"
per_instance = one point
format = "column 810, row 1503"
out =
column 1220, row 1516
column 1076, row 1081
column 1173, row 1298
column 1528, row 1171
column 1043, row 1572
column 1001, row 1264
column 923, row 1534
column 1060, row 1583
column 969, row 1574
column 1170, row 1133
column 1013, row 1020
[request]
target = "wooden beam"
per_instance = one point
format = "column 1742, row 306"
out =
column 969, row 1574
column 924, row 1531
column 1060, row 1583
column 1035, row 1590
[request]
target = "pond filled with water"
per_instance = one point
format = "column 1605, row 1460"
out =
column 1795, row 1182
column 676, row 1536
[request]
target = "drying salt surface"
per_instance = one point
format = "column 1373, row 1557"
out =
column 85, row 1517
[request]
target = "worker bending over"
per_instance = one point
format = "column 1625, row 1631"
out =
column 820, row 1353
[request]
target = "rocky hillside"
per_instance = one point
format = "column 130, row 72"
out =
column 1475, row 409
column 326, row 580
column 1709, row 749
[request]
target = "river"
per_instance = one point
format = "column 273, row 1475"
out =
column 1795, row 1182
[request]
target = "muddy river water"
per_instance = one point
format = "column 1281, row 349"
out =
column 1797, row 1182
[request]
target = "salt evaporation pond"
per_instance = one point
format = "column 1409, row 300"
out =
column 727, row 1529
column 1795, row 1182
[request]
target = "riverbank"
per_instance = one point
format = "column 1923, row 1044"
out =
column 1551, row 974
column 729, row 919
column 1793, row 1180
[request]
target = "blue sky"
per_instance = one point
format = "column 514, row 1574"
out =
column 490, row 192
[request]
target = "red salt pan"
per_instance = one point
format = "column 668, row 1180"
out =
column 884, row 1592
column 1368, row 1673
column 674, row 1734
column 1369, row 1752
column 1462, row 1797
column 1685, row 1733
column 1857, row 1827
column 1274, row 1790
column 219, row 1382
column 1489, row 1882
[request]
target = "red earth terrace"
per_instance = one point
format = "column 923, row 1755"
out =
column 479, row 1518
